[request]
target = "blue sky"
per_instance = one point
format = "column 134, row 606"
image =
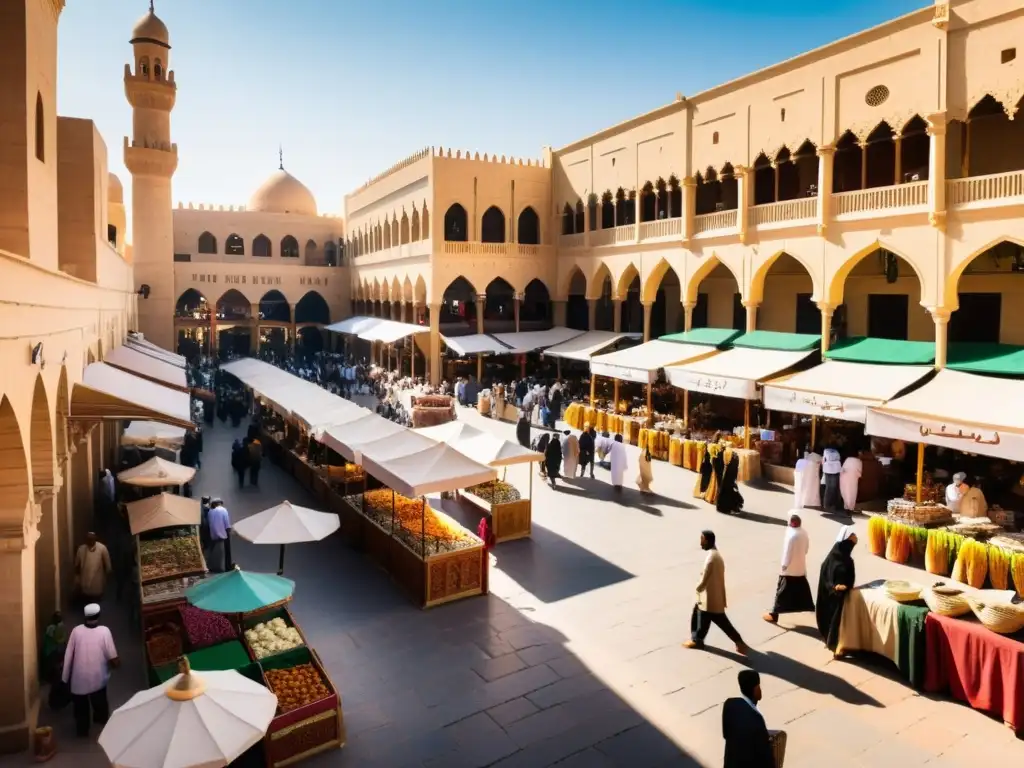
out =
column 348, row 88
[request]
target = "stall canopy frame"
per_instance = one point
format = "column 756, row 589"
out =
column 531, row 341
column 591, row 343
column 736, row 372
column 141, row 344
column 147, row 367
column 153, row 433
column 711, row 337
column 867, row 349
column 437, row 469
column 641, row 364
column 107, row 393
column 390, row 331
column 479, row 445
column 476, row 344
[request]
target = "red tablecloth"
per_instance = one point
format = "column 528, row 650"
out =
column 975, row 665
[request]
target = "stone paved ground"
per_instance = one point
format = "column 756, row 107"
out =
column 575, row 657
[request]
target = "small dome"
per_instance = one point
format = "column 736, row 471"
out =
column 115, row 192
column 149, row 29
column 283, row 193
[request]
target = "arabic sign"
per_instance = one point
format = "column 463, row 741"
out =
column 724, row 386
column 214, row 278
column 827, row 406
column 968, row 438
column 982, row 438
column 638, row 375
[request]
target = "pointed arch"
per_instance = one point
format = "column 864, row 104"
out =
column 425, row 221
column 419, row 294
column 414, row 226
column 755, row 294
column 396, row 289
column 407, row 294
column 950, row 299
column 192, row 305
column 403, row 229
column 41, row 437
column 654, row 279
column 386, row 234
column 536, row 303
column 261, row 246
column 568, row 220
column 836, row 285
column 456, row 224
column 595, row 286
column 274, row 307
column 234, row 245
column 528, row 227
column 233, row 305
column 626, row 278
column 704, row 268
column 312, row 252
column 394, row 235
column 313, row 308
column 14, row 473
column 575, row 283
column 207, row 243
column 492, row 226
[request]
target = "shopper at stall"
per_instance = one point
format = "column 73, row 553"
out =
column 553, row 459
column 704, row 476
column 587, row 448
column 92, row 567
column 646, row 475
column 747, row 743
column 849, row 482
column 807, row 481
column 218, row 556
column 617, row 459
column 793, row 592
column 729, row 500
column 972, row 500
column 570, row 453
column 89, row 657
column 831, row 467
column 523, row 431
column 711, row 599
column 239, row 461
column 254, row 460
column 835, row 580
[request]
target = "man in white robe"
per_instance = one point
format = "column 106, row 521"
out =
column 849, row 481
column 807, row 482
column 617, row 457
column 570, row 454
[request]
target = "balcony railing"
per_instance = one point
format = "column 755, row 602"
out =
column 625, row 234
column 602, row 237
column 494, row 249
column 985, row 191
column 709, row 222
column 784, row 212
column 870, row 202
column 661, row 228
column 572, row 241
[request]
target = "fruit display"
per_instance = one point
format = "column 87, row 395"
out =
column 1017, row 571
column 900, row 543
column 658, row 441
column 274, row 636
column 877, row 528
column 941, row 552
column 349, row 473
column 163, row 644
column 169, row 557
column 205, row 628
column 999, row 568
column 495, row 492
column 172, row 589
column 296, row 687
column 971, row 565
column 412, row 522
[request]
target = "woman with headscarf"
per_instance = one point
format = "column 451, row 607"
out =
column 553, row 459
column 717, row 473
column 729, row 500
column 849, row 482
column 831, row 467
column 523, row 431
column 646, row 476
column 617, row 459
column 705, row 475
column 836, row 579
column 542, row 448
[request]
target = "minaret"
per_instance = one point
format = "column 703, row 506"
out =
column 151, row 159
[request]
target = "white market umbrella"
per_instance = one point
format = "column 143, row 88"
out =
column 157, row 473
column 192, row 721
column 287, row 523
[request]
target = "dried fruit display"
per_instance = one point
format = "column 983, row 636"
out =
column 169, row 557
column 1017, row 570
column 999, row 567
column 296, row 687
column 205, row 628
column 349, row 473
column 899, row 544
column 877, row 531
column 971, row 565
column 412, row 522
column 495, row 492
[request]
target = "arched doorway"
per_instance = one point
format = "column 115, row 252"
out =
column 313, row 308
column 234, row 313
column 604, row 309
column 274, row 316
column 528, row 227
column 631, row 310
column 500, row 304
column 42, row 457
column 536, row 307
column 989, row 289
column 666, row 311
column 492, row 226
column 788, row 305
column 458, row 303
column 716, row 298
column 881, row 298
column 456, row 227
column 274, row 308
column 576, row 310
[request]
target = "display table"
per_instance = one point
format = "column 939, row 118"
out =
column 874, row 622
column 577, row 415
column 689, row 454
column 976, row 666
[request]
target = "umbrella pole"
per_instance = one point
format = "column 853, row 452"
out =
column 280, row 562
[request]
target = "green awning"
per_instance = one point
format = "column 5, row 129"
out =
column 784, row 342
column 708, row 337
column 997, row 359
column 866, row 349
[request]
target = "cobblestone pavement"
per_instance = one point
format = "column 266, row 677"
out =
column 575, row 658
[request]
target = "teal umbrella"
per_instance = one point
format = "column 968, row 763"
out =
column 239, row 591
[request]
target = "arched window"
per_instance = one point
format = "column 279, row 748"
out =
column 289, row 247
column 40, row 129
column 143, row 67
column 311, row 251
column 112, row 235
column 492, row 226
column 403, row 231
column 261, row 246
column 425, row 222
column 528, row 228
column 568, row 220
column 456, row 229
column 394, row 231
column 207, row 243
column 386, row 237
column 415, row 225
column 157, row 69
column 331, row 253
column 234, row 246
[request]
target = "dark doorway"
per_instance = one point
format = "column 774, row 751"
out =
column 808, row 316
column 700, row 312
column 739, row 313
column 978, row 318
column 888, row 315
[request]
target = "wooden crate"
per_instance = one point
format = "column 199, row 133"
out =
column 509, row 521
column 252, row 619
column 453, row 575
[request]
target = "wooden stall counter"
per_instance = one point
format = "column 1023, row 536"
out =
column 511, row 516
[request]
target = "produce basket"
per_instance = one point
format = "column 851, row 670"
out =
column 946, row 600
column 269, row 621
column 205, row 628
column 168, row 591
column 903, row 591
column 163, row 644
column 170, row 553
column 925, row 515
column 1004, row 618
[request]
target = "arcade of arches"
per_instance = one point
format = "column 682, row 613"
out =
column 235, row 324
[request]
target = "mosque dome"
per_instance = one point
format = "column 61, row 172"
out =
column 115, row 192
column 283, row 193
column 149, row 29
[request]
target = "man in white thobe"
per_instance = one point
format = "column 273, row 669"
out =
column 570, row 454
column 617, row 457
column 807, row 482
column 849, row 482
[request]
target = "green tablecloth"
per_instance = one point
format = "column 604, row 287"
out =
column 910, row 653
column 229, row 655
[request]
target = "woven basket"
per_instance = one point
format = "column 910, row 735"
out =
column 946, row 600
column 778, row 741
column 1004, row 618
column 903, row 591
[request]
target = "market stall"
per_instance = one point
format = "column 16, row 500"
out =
column 146, row 366
column 106, row 393
column 157, row 473
column 511, row 515
column 153, row 434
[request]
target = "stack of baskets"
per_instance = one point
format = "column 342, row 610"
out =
column 946, row 600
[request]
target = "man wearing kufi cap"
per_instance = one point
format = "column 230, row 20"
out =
column 89, row 657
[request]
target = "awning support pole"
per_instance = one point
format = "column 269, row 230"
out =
column 920, row 471
column 558, row 368
column 650, row 409
column 686, row 408
column 280, row 562
column 814, row 429
column 593, row 387
column 746, row 425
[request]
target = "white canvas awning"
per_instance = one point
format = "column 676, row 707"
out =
column 959, row 411
column 479, row 445
column 642, row 363
column 475, row 344
column 840, row 390
column 432, row 470
column 390, row 331
column 140, row 343
column 529, row 341
column 589, row 344
column 148, row 367
column 164, row 510
column 107, row 393
column 735, row 372
column 348, row 439
column 153, row 433
column 354, row 324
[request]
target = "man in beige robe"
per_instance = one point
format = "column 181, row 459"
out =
column 570, row 454
column 92, row 567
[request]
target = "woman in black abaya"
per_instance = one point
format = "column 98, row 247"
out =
column 523, row 432
column 729, row 499
column 837, row 577
column 553, row 459
column 542, row 448
column 704, row 478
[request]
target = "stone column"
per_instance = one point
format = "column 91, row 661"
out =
column 826, row 154
column 435, row 344
column 648, row 306
column 689, row 207
column 617, row 315
column 897, row 139
column 19, row 664
column 941, row 318
column 688, row 315
column 751, row 316
column 517, row 302
column 827, row 310
column 481, row 303
column 560, row 313
column 863, row 163
column 293, row 330
column 591, row 314
column 744, row 195
column 937, row 171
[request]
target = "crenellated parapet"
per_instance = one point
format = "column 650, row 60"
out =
column 485, row 158
column 415, row 157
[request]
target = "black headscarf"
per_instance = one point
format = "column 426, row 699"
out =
column 838, row 568
column 709, row 538
column 748, row 680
